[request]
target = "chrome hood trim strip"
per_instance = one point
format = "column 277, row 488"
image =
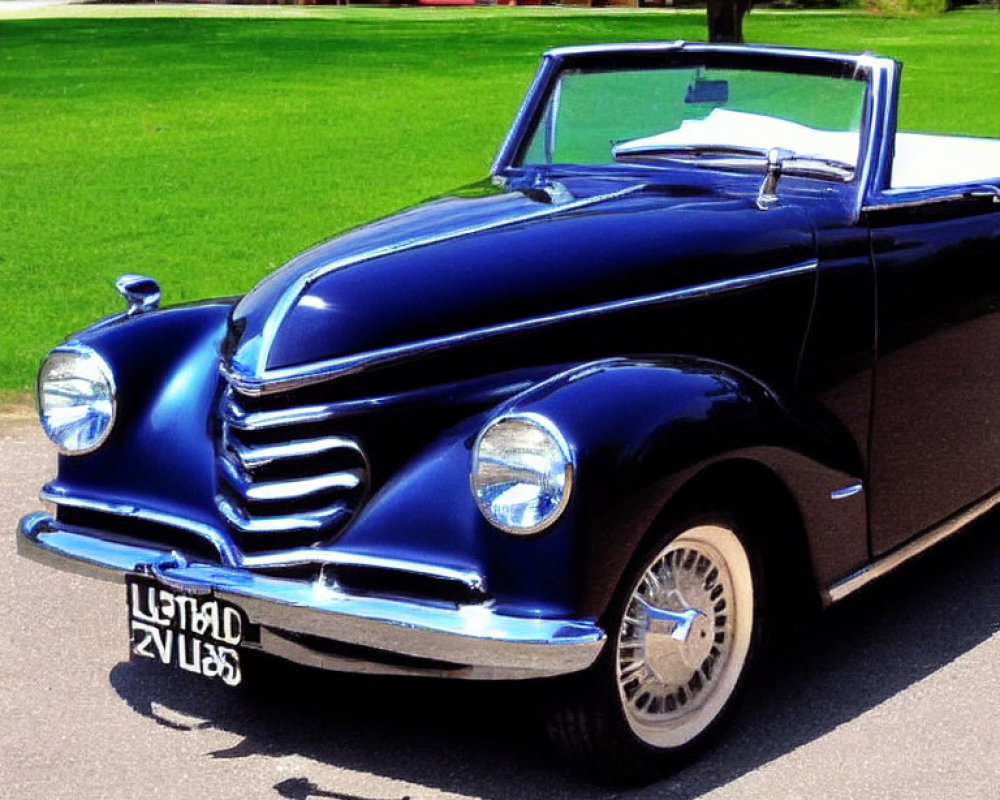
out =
column 295, row 290
column 305, row 375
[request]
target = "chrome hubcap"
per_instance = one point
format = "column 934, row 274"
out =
column 685, row 635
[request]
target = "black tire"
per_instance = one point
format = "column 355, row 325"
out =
column 683, row 632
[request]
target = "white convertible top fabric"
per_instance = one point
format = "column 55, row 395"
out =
column 921, row 159
column 928, row 159
column 725, row 127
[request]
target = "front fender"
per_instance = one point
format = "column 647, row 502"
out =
column 641, row 430
column 159, row 452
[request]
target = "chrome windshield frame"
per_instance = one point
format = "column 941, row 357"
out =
column 877, row 120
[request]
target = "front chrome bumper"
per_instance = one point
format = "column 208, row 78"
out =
column 376, row 634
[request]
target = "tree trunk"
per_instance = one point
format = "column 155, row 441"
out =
column 725, row 20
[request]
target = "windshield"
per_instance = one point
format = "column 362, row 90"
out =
column 696, row 114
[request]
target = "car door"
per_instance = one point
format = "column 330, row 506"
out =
column 935, row 428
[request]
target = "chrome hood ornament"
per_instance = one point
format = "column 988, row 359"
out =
column 141, row 293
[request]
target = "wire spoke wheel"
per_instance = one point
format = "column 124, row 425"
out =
column 685, row 635
column 683, row 628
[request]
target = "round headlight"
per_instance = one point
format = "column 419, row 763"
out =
column 76, row 399
column 522, row 473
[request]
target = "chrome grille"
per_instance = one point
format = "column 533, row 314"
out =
column 283, row 472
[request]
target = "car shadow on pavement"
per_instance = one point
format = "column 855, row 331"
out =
column 487, row 740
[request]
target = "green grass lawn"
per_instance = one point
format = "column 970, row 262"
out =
column 207, row 146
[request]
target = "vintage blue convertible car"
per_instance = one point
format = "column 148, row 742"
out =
column 714, row 338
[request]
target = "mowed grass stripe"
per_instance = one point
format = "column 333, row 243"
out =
column 205, row 151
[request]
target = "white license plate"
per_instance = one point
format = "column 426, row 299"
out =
column 198, row 634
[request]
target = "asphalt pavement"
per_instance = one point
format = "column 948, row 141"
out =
column 895, row 694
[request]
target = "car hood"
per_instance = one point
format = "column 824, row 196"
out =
column 487, row 258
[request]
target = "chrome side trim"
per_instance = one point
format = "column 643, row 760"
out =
column 295, row 377
column 847, row 491
column 923, row 202
column 887, row 563
column 489, row 643
column 226, row 549
column 293, row 292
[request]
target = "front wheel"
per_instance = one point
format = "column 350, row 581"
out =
column 682, row 632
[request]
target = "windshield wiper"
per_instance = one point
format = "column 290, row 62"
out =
column 625, row 151
column 733, row 156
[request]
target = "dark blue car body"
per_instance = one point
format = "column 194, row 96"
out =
column 830, row 359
